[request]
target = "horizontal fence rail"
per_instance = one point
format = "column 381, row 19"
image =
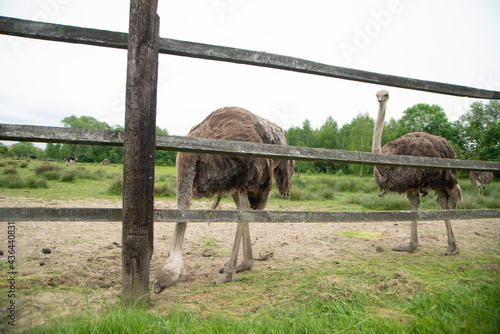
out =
column 71, row 34
column 211, row 146
column 218, row 216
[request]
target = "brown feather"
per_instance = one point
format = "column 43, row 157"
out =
column 401, row 179
column 221, row 174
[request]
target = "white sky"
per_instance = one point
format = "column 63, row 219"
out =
column 450, row 41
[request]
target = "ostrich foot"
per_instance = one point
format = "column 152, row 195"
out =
column 226, row 277
column 245, row 265
column 405, row 248
column 451, row 250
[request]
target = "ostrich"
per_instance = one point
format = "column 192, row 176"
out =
column 480, row 180
column 71, row 160
column 247, row 180
column 416, row 181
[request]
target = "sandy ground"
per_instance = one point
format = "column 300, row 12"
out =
column 89, row 254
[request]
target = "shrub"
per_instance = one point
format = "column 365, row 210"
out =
column 51, row 175
column 12, row 181
column 34, row 183
column 116, row 186
column 10, row 171
column 15, row 182
column 45, row 167
column 164, row 189
column 69, row 176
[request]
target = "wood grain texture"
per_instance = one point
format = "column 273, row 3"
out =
column 71, row 34
column 210, row 146
column 218, row 216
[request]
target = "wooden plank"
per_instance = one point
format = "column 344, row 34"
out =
column 63, row 33
column 60, row 214
column 210, row 146
column 139, row 151
column 71, row 34
column 46, row 134
column 218, row 216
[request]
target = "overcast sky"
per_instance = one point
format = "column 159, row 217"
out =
column 449, row 41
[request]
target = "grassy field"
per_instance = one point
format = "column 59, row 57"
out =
column 424, row 293
column 357, row 297
column 58, row 181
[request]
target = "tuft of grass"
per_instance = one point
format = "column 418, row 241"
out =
column 10, row 171
column 45, row 167
column 116, row 186
column 16, row 182
column 164, row 189
column 210, row 247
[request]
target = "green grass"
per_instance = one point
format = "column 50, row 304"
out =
column 309, row 192
column 362, row 295
column 375, row 293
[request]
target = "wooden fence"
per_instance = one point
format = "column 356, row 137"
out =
column 137, row 235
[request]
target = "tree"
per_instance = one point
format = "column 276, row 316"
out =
column 3, row 149
column 23, row 150
column 53, row 151
column 360, row 139
column 327, row 137
column 328, row 134
column 90, row 153
column 85, row 122
column 426, row 118
column 164, row 158
column 480, row 125
column 306, row 137
column 391, row 131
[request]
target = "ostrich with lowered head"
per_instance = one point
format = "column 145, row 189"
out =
column 248, row 180
column 480, row 180
column 415, row 181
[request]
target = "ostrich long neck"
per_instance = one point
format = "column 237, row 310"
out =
column 379, row 127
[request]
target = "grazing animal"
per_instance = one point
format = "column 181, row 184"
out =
column 248, row 180
column 416, row 181
column 105, row 162
column 71, row 160
column 33, row 157
column 480, row 180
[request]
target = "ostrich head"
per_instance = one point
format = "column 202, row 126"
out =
column 382, row 96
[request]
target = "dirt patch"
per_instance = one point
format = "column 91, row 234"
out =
column 85, row 256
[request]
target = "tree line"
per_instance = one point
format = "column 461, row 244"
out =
column 474, row 136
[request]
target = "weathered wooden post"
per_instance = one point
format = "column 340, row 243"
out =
column 139, row 151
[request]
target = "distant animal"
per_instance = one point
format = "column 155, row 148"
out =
column 480, row 180
column 248, row 180
column 105, row 162
column 416, row 181
column 71, row 160
column 33, row 157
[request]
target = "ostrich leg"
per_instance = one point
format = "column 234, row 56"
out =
column 170, row 273
column 443, row 199
column 242, row 203
column 242, row 232
column 414, row 199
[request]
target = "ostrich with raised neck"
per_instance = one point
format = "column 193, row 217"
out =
column 416, row 181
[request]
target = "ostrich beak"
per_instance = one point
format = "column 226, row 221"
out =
column 158, row 288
